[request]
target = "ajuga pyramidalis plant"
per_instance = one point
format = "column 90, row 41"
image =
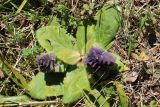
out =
column 69, row 50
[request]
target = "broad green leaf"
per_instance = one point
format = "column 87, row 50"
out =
column 122, row 95
column 46, row 85
column 14, row 99
column 84, row 35
column 49, row 35
column 95, row 99
column 81, row 37
column 108, row 23
column 55, row 40
column 44, row 35
column 91, row 32
column 75, row 83
column 67, row 55
column 89, row 45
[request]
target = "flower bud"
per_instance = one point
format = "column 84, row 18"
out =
column 99, row 59
column 46, row 62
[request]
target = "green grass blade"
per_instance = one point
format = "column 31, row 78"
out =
column 14, row 71
column 122, row 95
column 21, row 6
column 14, row 99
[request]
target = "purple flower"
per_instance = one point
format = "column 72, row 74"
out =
column 99, row 59
column 46, row 62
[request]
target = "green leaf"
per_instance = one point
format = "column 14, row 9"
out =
column 81, row 37
column 44, row 35
column 49, row 35
column 109, row 46
column 55, row 40
column 89, row 45
column 109, row 91
column 68, row 56
column 108, row 23
column 14, row 99
column 122, row 95
column 153, row 103
column 46, row 85
column 121, row 67
column 143, row 20
column 95, row 99
column 74, row 85
column 55, row 22
column 84, row 35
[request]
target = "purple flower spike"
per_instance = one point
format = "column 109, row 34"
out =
column 46, row 62
column 98, row 58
